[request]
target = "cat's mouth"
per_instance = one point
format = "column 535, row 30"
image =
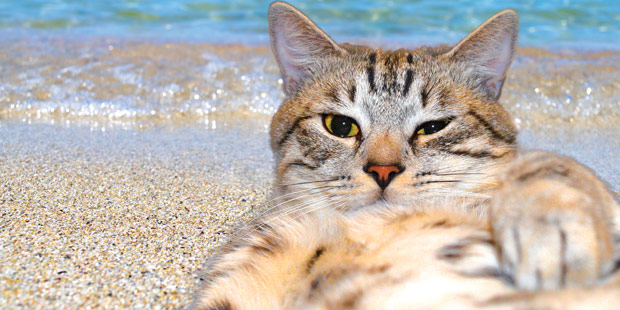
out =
column 386, row 195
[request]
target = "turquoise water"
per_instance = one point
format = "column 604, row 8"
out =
column 583, row 24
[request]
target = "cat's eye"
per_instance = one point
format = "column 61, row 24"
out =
column 430, row 128
column 340, row 126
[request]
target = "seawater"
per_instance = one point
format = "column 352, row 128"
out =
column 577, row 23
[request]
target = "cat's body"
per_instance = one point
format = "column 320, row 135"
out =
column 400, row 185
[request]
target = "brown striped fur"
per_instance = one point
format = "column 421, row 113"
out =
column 468, row 222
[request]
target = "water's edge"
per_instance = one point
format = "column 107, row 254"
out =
column 108, row 82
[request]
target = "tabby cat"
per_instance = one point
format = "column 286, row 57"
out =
column 400, row 185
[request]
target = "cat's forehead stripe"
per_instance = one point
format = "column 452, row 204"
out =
column 408, row 81
column 291, row 129
column 372, row 60
column 352, row 91
column 426, row 91
column 390, row 72
column 332, row 94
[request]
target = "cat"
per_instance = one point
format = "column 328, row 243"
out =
column 400, row 185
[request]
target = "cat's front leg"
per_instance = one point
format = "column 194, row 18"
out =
column 554, row 223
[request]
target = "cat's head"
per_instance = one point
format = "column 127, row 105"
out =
column 363, row 125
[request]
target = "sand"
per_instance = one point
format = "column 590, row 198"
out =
column 120, row 219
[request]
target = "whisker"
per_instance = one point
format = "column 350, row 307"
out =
column 451, row 169
column 461, row 194
column 299, row 191
column 435, row 181
column 308, row 193
column 295, row 198
column 309, row 182
column 292, row 209
column 286, row 212
column 307, row 209
column 459, row 173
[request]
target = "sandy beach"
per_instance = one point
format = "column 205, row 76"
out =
column 120, row 219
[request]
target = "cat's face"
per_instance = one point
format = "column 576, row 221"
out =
column 363, row 125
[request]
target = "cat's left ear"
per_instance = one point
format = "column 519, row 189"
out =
column 298, row 44
column 489, row 50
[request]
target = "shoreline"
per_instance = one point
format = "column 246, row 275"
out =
column 143, row 83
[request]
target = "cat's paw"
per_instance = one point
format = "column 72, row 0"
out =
column 550, row 233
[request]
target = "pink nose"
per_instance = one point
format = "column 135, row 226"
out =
column 383, row 174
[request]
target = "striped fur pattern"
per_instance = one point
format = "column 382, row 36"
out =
column 468, row 222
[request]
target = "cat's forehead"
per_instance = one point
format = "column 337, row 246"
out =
column 386, row 87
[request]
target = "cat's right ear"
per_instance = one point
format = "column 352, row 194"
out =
column 489, row 50
column 297, row 44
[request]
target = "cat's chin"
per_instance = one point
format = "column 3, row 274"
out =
column 378, row 205
column 378, row 200
column 394, row 196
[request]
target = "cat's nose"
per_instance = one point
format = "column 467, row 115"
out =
column 383, row 174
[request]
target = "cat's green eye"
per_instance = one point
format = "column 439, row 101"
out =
column 430, row 128
column 340, row 126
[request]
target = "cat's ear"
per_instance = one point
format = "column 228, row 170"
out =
column 489, row 50
column 297, row 44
